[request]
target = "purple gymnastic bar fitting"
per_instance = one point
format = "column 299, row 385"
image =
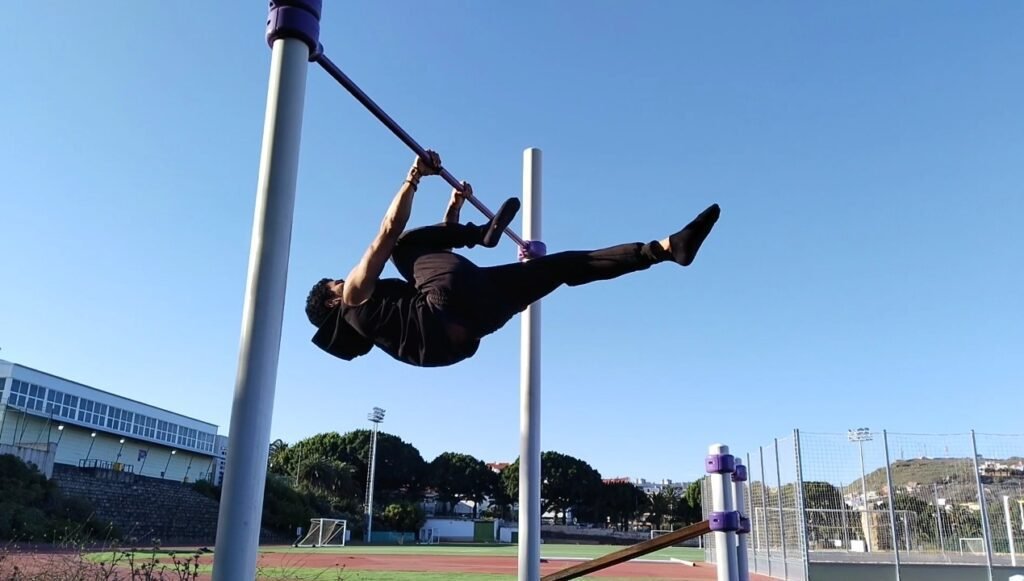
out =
column 744, row 526
column 720, row 464
column 532, row 249
column 298, row 19
column 724, row 521
column 333, row 70
column 740, row 473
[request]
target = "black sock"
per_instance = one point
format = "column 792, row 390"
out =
column 687, row 241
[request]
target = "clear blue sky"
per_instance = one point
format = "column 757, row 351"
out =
column 866, row 270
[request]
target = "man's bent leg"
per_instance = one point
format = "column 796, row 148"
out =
column 413, row 244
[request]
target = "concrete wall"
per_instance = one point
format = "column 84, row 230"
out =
column 40, row 455
column 455, row 529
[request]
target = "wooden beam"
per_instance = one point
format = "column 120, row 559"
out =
column 631, row 552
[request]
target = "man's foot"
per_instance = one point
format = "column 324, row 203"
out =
column 684, row 244
column 502, row 218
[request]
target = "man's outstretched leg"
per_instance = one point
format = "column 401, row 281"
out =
column 513, row 287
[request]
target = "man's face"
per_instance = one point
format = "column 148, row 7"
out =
column 336, row 287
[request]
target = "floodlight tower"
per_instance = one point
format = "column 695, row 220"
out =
column 861, row 435
column 376, row 416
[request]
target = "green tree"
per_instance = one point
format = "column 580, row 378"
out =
column 566, row 482
column 688, row 509
column 403, row 517
column 457, row 477
column 620, row 503
column 329, row 478
column 663, row 504
column 400, row 470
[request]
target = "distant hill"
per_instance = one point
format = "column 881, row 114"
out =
column 925, row 472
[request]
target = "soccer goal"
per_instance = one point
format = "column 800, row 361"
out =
column 972, row 546
column 429, row 537
column 325, row 532
column 655, row 533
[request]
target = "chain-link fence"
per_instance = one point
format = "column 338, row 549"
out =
column 884, row 498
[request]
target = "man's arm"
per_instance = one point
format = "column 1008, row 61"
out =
column 451, row 215
column 362, row 280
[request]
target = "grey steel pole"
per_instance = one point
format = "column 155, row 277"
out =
column 782, row 518
column 938, row 519
column 376, row 419
column 764, row 511
column 892, row 503
column 801, row 505
column 984, row 507
column 529, row 389
column 1009, row 529
column 864, row 496
column 241, row 508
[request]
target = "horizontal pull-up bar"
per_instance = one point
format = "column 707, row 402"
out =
column 379, row 113
column 632, row 552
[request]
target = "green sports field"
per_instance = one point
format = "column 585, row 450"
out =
column 548, row 551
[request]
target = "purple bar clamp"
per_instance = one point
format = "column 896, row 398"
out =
column 720, row 464
column 740, row 475
column 724, row 521
column 744, row 526
column 298, row 19
column 532, row 249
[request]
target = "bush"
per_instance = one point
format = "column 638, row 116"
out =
column 33, row 509
column 403, row 517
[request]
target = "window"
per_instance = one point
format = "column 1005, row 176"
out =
column 150, row 427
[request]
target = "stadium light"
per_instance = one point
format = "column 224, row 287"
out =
column 60, row 429
column 91, row 443
column 861, row 435
column 119, row 450
column 376, row 416
column 168, row 465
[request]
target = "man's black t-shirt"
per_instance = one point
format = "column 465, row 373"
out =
column 403, row 322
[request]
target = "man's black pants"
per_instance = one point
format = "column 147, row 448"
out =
column 483, row 299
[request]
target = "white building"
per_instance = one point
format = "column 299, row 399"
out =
column 83, row 426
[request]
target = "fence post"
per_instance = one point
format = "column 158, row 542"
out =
column 782, row 517
column 801, row 508
column 764, row 512
column 752, row 546
column 985, row 531
column 1009, row 530
column 739, row 483
column 892, row 503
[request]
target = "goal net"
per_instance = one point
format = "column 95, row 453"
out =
column 429, row 537
column 655, row 533
column 972, row 546
column 325, row 532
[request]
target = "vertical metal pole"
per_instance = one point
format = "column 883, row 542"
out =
column 782, row 518
column 739, row 492
column 241, row 507
column 1009, row 529
column 844, row 522
column 722, row 501
column 369, row 485
column 764, row 510
column 864, row 497
column 751, row 513
column 801, row 505
column 938, row 520
column 986, row 532
column 529, row 388
column 892, row 503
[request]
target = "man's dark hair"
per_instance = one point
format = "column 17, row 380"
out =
column 316, row 303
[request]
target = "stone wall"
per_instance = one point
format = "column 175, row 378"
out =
column 146, row 511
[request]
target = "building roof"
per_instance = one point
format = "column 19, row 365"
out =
column 111, row 394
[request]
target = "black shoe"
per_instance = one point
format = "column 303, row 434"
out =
column 685, row 243
column 504, row 216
